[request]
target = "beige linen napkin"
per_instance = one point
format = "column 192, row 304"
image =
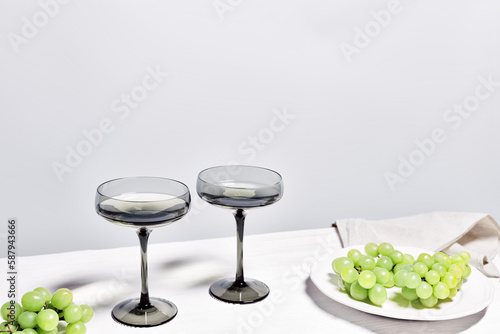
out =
column 449, row 232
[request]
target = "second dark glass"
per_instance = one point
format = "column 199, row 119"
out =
column 239, row 188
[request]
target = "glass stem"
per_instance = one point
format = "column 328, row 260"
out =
column 143, row 234
column 239, row 215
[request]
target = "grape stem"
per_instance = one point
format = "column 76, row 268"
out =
column 9, row 331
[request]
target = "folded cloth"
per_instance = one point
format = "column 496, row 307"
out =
column 449, row 232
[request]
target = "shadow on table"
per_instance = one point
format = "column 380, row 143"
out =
column 107, row 289
column 383, row 325
column 100, row 293
column 74, row 283
column 191, row 272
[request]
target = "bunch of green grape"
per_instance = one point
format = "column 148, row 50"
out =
column 41, row 312
column 428, row 279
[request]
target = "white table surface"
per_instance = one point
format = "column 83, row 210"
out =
column 182, row 272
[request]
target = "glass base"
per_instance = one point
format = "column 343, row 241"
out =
column 158, row 312
column 230, row 291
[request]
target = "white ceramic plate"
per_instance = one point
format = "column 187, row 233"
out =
column 476, row 293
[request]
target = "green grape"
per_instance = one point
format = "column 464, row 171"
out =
column 465, row 255
column 408, row 259
column 420, row 268
column 432, row 277
column 385, row 249
column 396, row 257
column 453, row 292
column 441, row 290
column 397, row 267
column 7, row 308
column 467, row 271
column 456, row 270
column 438, row 257
column 45, row 293
column 445, row 260
column 409, row 294
column 412, row 280
column 338, row 265
column 33, row 301
column 450, row 280
column 429, row 302
column 377, row 294
column 47, row 319
column 29, row 331
column 426, row 259
column 63, row 297
column 424, row 290
column 347, row 287
column 366, row 262
column 459, row 284
column 357, row 291
column 7, row 327
column 76, row 328
column 457, row 259
column 41, row 331
column 73, row 312
column 385, row 262
column 440, row 268
column 383, row 276
column 399, row 278
column 348, row 274
column 27, row 320
column 354, row 255
column 407, row 267
column 390, row 283
column 367, row 279
column 371, row 249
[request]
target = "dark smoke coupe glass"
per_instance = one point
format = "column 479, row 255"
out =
column 239, row 188
column 143, row 203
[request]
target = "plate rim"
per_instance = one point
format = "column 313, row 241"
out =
column 488, row 288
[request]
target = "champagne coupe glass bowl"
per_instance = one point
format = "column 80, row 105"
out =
column 239, row 188
column 143, row 203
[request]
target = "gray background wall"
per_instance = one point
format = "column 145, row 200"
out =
column 341, row 97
